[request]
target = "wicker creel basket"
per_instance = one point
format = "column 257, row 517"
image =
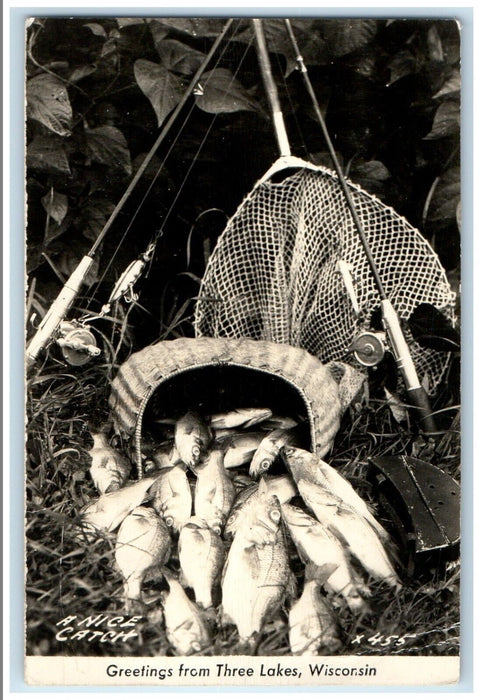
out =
column 322, row 390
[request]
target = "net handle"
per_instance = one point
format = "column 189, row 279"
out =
column 271, row 89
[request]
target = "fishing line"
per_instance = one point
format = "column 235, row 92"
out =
column 162, row 165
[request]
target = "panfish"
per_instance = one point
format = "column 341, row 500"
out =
column 256, row 576
column 312, row 624
column 318, row 547
column 166, row 457
column 282, row 487
column 191, row 438
column 172, row 496
column 186, row 628
column 201, row 557
column 109, row 467
column 110, row 509
column 268, row 450
column 240, row 418
column 305, row 465
column 143, row 542
column 351, row 528
column 279, row 423
column 214, row 491
column 239, row 448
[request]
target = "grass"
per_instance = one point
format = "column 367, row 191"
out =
column 66, row 576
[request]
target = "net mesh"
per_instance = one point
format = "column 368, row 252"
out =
column 273, row 273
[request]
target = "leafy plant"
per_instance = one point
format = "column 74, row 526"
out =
column 98, row 90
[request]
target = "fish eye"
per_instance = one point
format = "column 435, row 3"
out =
column 169, row 521
column 289, row 451
column 275, row 515
column 196, row 451
column 265, row 464
column 216, row 529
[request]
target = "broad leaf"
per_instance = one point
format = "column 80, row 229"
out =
column 47, row 153
column 107, row 145
column 435, row 47
column 56, row 205
column 221, row 93
column 162, row 88
column 346, row 35
column 96, row 29
column 158, row 31
column 94, row 216
column 370, row 176
column 179, row 57
column 48, row 102
column 446, row 120
column 314, row 52
column 373, row 169
column 446, row 196
column 312, row 47
column 53, row 230
column 110, row 47
column 451, row 85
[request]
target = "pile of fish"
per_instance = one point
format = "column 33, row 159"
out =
column 225, row 536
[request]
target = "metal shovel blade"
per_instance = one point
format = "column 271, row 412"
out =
column 429, row 496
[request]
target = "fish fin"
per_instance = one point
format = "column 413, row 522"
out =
column 168, row 574
column 263, row 487
column 291, row 590
column 319, row 573
column 182, row 579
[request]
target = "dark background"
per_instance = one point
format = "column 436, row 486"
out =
column 389, row 90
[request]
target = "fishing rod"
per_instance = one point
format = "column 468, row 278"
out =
column 51, row 323
column 417, row 395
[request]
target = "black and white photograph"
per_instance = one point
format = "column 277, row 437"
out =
column 243, row 311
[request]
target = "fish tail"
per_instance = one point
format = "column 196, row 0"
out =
column 319, row 573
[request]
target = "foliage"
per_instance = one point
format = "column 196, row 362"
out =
column 98, row 89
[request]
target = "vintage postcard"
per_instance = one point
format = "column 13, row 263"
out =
column 243, row 351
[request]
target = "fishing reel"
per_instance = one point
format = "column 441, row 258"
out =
column 369, row 347
column 77, row 343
